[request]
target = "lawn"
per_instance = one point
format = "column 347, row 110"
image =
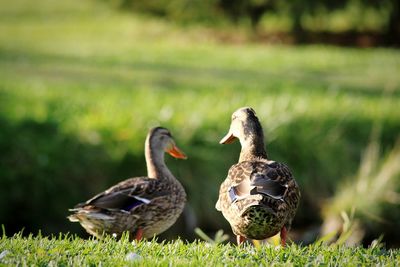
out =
column 73, row 251
column 81, row 84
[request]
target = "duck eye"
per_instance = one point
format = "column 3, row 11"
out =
column 165, row 136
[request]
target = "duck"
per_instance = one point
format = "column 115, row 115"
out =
column 142, row 206
column 260, row 196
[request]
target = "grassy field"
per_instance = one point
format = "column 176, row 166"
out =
column 81, row 84
column 73, row 251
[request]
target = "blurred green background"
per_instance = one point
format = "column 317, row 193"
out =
column 81, row 83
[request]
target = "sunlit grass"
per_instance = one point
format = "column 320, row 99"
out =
column 73, row 251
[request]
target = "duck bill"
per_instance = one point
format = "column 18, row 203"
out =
column 229, row 138
column 176, row 152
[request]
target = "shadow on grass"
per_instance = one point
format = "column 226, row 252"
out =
column 44, row 172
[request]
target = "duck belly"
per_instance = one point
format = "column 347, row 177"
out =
column 161, row 221
column 160, row 214
column 258, row 222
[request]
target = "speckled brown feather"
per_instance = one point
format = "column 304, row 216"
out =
column 277, row 212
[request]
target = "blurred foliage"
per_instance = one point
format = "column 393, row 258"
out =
column 303, row 15
column 80, row 85
column 219, row 237
column 180, row 10
column 371, row 196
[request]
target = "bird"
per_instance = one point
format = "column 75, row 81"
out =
column 259, row 196
column 142, row 206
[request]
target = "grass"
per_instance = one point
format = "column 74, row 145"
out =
column 74, row 251
column 81, row 84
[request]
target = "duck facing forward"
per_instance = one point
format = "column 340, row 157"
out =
column 142, row 206
column 259, row 197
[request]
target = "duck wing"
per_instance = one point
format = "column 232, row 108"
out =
column 126, row 195
column 268, row 178
column 263, row 184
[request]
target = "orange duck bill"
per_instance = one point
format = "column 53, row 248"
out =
column 176, row 152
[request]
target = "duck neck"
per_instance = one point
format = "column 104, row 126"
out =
column 252, row 148
column 156, row 167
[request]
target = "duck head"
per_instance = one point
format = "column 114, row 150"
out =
column 160, row 139
column 244, row 125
